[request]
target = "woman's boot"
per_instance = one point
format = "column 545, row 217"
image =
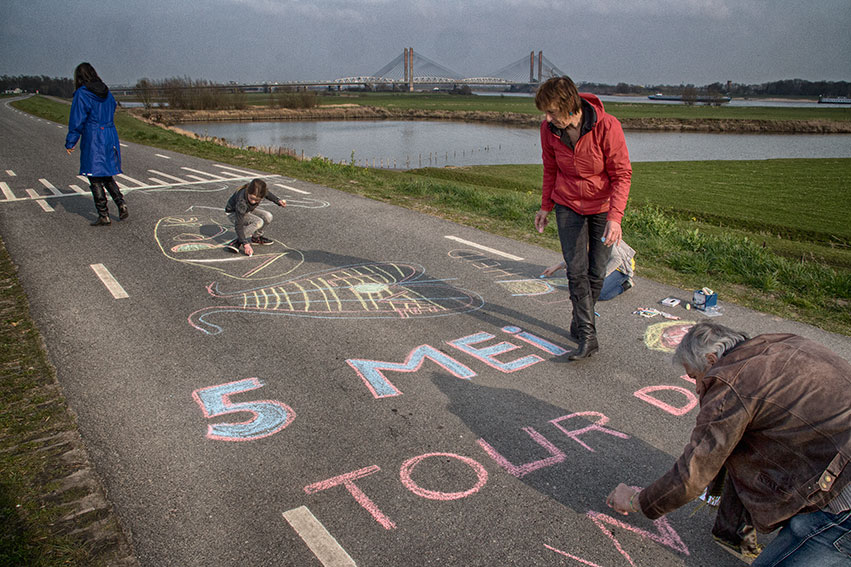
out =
column 99, row 196
column 116, row 195
column 583, row 315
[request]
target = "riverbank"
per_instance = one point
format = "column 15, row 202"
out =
column 169, row 117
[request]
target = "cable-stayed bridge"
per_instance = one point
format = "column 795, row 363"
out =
column 410, row 70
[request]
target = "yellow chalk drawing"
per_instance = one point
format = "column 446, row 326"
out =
column 665, row 336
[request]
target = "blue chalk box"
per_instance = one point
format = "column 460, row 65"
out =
column 704, row 298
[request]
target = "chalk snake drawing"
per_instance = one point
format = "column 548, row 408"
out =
column 388, row 290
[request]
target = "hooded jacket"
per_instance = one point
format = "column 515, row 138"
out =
column 593, row 177
column 91, row 122
column 776, row 412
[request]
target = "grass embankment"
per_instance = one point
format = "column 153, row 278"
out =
column 622, row 110
column 769, row 234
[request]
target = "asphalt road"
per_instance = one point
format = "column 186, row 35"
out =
column 377, row 388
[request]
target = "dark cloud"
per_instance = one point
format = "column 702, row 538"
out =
column 640, row 41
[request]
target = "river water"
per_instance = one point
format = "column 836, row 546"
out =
column 407, row 144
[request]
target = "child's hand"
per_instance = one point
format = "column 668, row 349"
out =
column 247, row 249
column 552, row 269
column 282, row 203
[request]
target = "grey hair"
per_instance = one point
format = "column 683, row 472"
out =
column 704, row 338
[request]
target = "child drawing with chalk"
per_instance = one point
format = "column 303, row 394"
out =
column 248, row 220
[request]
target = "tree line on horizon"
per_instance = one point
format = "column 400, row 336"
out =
column 64, row 87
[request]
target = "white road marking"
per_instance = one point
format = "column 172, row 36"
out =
column 162, row 156
column 130, row 179
column 7, row 192
column 321, row 543
column 159, row 181
column 232, row 175
column 84, row 178
column 41, row 202
column 196, row 178
column 155, row 172
column 292, row 189
column 50, row 186
column 10, row 173
column 242, row 171
column 109, row 281
column 213, row 175
column 485, row 248
column 77, row 189
column 122, row 144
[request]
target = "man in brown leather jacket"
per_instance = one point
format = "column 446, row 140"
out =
column 775, row 412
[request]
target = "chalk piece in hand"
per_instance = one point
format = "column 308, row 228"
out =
column 603, row 239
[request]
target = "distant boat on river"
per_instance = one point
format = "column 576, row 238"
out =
column 834, row 100
column 714, row 99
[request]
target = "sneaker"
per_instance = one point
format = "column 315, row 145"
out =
column 233, row 246
column 102, row 221
column 744, row 555
column 262, row 240
column 122, row 212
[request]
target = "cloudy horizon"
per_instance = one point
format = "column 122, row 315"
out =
column 644, row 42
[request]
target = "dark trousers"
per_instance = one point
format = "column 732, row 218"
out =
column 584, row 253
column 99, row 187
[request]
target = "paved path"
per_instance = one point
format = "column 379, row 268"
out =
column 377, row 388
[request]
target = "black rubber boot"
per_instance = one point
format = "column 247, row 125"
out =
column 583, row 316
column 116, row 195
column 99, row 196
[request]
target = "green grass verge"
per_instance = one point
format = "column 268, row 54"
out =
column 623, row 110
column 31, row 409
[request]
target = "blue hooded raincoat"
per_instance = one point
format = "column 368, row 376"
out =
column 91, row 122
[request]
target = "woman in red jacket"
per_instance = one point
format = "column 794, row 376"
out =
column 587, row 176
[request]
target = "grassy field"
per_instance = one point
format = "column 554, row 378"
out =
column 526, row 105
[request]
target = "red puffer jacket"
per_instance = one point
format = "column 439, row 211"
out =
column 595, row 176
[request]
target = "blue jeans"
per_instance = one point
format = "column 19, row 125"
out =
column 819, row 539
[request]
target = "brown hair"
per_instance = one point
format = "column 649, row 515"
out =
column 84, row 73
column 257, row 188
column 559, row 92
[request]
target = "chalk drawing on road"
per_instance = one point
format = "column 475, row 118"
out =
column 532, row 286
column 200, row 239
column 388, row 290
column 268, row 416
column 665, row 336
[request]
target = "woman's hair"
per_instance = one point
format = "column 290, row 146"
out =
column 84, row 73
column 704, row 338
column 559, row 92
column 257, row 188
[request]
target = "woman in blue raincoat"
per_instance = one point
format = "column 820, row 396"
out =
column 91, row 122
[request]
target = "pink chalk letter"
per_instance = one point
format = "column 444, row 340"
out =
column 691, row 399
column 348, row 480
column 408, row 466
column 519, row 471
column 597, row 426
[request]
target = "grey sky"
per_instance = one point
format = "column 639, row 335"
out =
column 610, row 41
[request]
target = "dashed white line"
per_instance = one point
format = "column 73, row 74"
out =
column 10, row 173
column 292, row 189
column 162, row 156
column 130, row 179
column 213, row 175
column 321, row 543
column 122, row 144
column 155, row 172
column 50, row 186
column 242, row 171
column 159, row 181
column 196, row 178
column 41, row 202
column 485, row 248
column 232, row 175
column 77, row 189
column 109, row 281
column 7, row 192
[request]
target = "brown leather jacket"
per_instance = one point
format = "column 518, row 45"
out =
column 776, row 411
